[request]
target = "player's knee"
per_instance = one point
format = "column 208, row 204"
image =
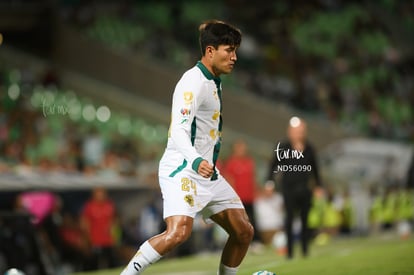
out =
column 244, row 234
column 249, row 232
column 177, row 236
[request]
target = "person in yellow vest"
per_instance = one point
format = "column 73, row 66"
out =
column 390, row 208
column 331, row 218
column 376, row 211
column 405, row 205
column 315, row 216
column 405, row 212
column 347, row 214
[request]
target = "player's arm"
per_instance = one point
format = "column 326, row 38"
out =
column 272, row 167
column 314, row 166
column 318, row 189
column 186, row 100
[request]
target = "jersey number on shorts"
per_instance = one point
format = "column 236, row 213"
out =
column 187, row 185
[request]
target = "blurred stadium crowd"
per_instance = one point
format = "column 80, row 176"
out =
column 356, row 71
column 45, row 126
column 349, row 62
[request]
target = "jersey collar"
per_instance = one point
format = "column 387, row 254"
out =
column 207, row 73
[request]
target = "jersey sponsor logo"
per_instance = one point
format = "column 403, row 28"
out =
column 185, row 111
column 185, row 115
column 188, row 97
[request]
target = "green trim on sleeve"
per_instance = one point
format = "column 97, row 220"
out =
column 196, row 163
column 179, row 168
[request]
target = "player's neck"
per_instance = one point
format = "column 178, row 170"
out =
column 209, row 66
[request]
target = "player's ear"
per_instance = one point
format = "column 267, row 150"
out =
column 209, row 51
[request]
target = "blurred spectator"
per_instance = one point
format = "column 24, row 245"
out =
column 93, row 148
column 392, row 210
column 147, row 169
column 347, row 212
column 38, row 203
column 44, row 208
column 19, row 246
column 361, row 200
column 150, row 220
column 75, row 152
column 239, row 170
column 75, row 245
column 376, row 210
column 269, row 213
column 109, row 165
column 316, row 212
column 405, row 205
column 389, row 208
column 127, row 154
column 331, row 216
column 98, row 220
column 295, row 161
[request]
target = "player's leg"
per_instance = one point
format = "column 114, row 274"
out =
column 178, row 230
column 305, row 205
column 236, row 223
column 289, row 216
column 249, row 207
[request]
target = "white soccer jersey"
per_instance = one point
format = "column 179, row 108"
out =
column 195, row 130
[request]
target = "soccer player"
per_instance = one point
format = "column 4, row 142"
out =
column 189, row 179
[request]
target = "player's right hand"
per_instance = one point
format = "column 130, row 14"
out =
column 205, row 169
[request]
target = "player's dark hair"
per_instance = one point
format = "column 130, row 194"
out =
column 215, row 33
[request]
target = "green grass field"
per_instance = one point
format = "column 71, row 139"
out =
column 383, row 255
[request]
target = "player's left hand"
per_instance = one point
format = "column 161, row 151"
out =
column 205, row 169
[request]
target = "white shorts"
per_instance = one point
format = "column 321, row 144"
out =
column 184, row 195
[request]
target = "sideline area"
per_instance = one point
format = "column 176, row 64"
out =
column 375, row 255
